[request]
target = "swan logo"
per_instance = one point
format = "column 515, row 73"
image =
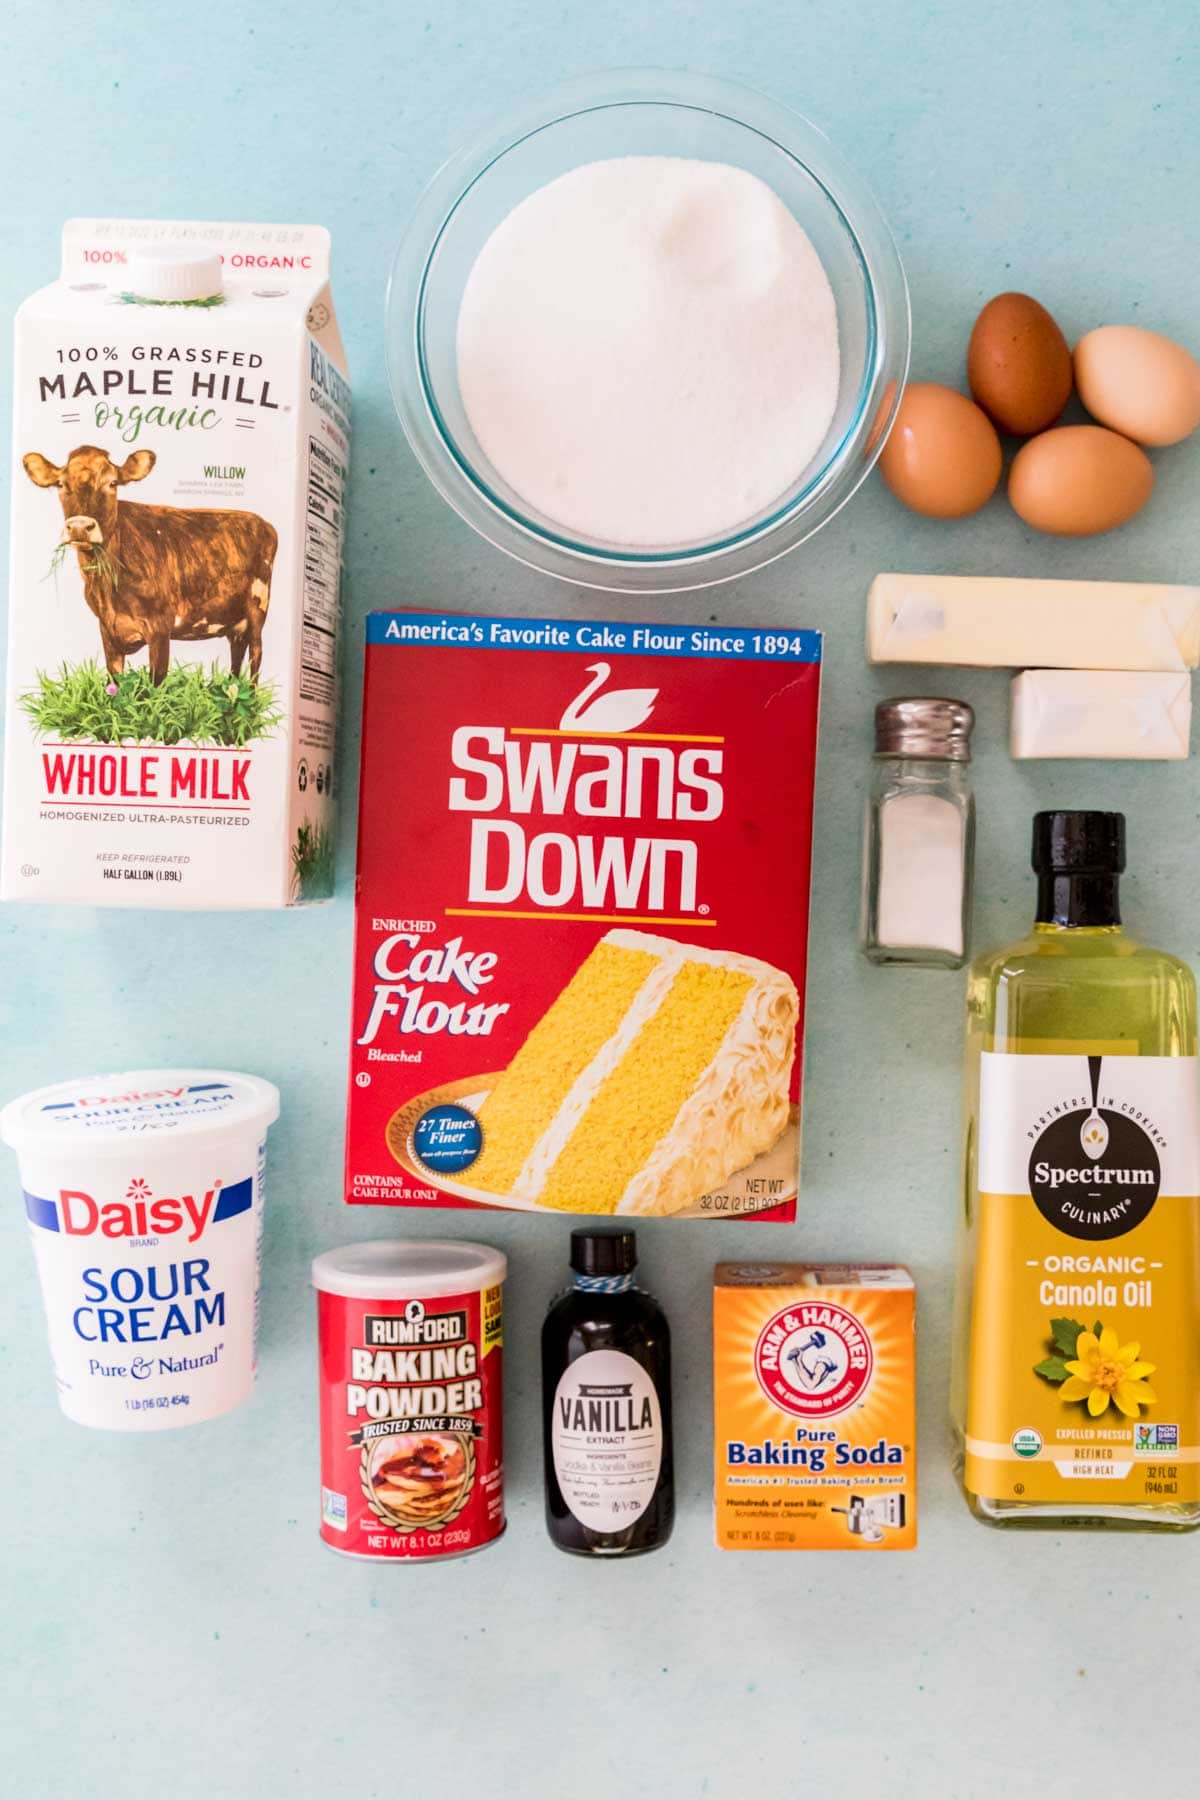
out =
column 813, row 1360
column 611, row 714
column 597, row 764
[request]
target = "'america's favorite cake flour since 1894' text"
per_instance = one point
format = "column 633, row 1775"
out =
column 584, row 858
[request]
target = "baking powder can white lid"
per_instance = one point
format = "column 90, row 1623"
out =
column 408, row 1268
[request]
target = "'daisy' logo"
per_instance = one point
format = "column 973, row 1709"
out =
column 813, row 1359
column 78, row 1214
column 1095, row 1172
column 621, row 709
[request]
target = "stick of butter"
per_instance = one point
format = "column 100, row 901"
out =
column 987, row 623
column 1100, row 713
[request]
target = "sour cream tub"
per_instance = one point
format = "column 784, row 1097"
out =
column 144, row 1194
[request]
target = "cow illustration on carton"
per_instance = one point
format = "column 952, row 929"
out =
column 154, row 573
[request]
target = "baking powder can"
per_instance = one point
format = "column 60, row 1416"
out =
column 411, row 1340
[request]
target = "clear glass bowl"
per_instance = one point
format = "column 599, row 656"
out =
column 645, row 113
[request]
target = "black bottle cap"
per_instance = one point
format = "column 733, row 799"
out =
column 1078, row 843
column 604, row 1252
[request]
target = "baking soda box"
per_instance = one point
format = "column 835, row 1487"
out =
column 181, row 437
column 583, row 875
column 814, row 1407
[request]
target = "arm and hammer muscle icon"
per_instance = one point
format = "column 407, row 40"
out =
column 810, row 1368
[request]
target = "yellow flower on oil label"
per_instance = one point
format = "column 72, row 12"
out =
column 1103, row 1369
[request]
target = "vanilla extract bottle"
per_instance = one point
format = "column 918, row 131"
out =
column 606, row 1392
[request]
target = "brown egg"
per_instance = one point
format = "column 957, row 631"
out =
column 1019, row 364
column 1139, row 382
column 1079, row 480
column 942, row 458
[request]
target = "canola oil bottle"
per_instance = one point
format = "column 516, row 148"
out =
column 1077, row 1375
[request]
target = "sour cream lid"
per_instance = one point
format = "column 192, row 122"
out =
column 106, row 1113
column 407, row 1269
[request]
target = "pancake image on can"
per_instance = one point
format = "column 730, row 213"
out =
column 419, row 1480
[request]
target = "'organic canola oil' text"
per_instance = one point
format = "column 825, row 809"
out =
column 1077, row 1382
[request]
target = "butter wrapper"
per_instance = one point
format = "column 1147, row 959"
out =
column 985, row 622
column 1101, row 713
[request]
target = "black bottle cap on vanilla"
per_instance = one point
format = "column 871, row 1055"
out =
column 604, row 1252
column 1078, row 843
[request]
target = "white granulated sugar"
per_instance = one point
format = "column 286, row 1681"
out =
column 648, row 350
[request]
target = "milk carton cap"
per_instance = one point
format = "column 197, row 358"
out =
column 155, row 1107
column 176, row 273
column 404, row 1269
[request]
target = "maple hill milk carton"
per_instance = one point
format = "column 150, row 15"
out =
column 181, row 438
column 582, row 912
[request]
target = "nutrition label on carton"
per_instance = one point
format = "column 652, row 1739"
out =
column 324, row 511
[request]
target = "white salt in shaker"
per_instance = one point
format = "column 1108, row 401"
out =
column 920, row 835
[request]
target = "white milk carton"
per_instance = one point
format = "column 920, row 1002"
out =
column 181, row 449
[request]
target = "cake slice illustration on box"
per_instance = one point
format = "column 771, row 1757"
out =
column 660, row 1070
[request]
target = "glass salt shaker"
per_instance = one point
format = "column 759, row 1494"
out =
column 920, row 835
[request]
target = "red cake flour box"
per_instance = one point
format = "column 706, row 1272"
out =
column 583, row 876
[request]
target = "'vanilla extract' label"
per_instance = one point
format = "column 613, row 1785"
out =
column 607, row 1439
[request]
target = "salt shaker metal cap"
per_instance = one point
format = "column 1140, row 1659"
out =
column 936, row 728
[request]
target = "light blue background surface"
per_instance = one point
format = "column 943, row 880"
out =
column 171, row 1623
